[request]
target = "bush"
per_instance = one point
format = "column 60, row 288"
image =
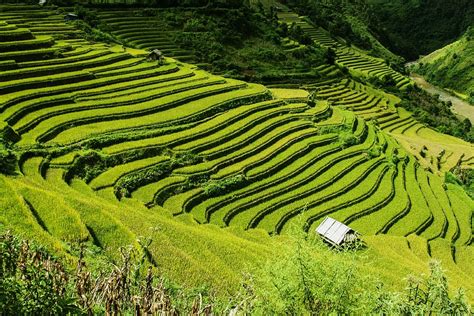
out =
column 311, row 279
column 428, row 109
column 219, row 187
column 88, row 16
column 34, row 282
column 424, row 296
column 347, row 139
column 8, row 160
column 374, row 151
column 94, row 34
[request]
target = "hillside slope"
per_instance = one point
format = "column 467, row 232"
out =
column 452, row 66
column 418, row 27
column 114, row 149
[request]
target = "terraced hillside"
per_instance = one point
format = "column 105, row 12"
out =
column 111, row 144
column 358, row 63
column 138, row 30
column 433, row 150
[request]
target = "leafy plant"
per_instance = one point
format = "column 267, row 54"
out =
column 8, row 160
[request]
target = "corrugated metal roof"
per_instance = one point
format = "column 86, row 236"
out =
column 333, row 230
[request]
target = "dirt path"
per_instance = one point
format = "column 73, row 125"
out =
column 459, row 107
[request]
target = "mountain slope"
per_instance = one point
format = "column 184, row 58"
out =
column 417, row 27
column 452, row 66
column 114, row 147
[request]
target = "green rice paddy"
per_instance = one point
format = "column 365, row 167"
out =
column 114, row 147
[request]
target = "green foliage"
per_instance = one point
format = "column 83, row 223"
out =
column 89, row 23
column 346, row 19
column 347, row 139
column 132, row 181
column 222, row 186
column 451, row 67
column 35, row 282
column 385, row 81
column 311, row 279
column 424, row 296
column 88, row 165
column 8, row 158
column 449, row 177
column 32, row 282
column 7, row 161
column 431, row 111
column 244, row 43
column 88, row 16
column 94, row 34
column 463, row 177
column 375, row 151
column 414, row 28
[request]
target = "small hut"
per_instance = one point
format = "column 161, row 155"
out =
column 336, row 233
column 71, row 17
column 155, row 55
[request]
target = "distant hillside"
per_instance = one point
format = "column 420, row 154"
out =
column 452, row 66
column 417, row 27
column 347, row 20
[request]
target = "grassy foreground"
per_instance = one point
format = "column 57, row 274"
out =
column 307, row 277
column 105, row 149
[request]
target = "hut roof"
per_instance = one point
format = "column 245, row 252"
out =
column 156, row 52
column 333, row 231
column 71, row 16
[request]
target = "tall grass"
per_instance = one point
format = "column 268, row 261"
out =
column 307, row 278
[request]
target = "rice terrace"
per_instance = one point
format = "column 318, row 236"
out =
column 167, row 157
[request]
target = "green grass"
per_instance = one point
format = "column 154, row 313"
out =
column 176, row 203
column 36, row 71
column 439, row 225
column 18, row 109
column 326, row 161
column 301, row 168
column 463, row 206
column 339, row 194
column 67, row 227
column 256, row 208
column 163, row 106
column 180, row 113
column 210, row 127
column 377, row 200
column 38, row 42
column 147, row 193
column 419, row 214
column 16, row 96
column 378, row 221
column 235, row 127
column 112, row 175
column 451, row 66
column 273, row 128
column 239, row 157
column 39, row 116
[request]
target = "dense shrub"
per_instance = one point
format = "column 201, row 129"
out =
column 8, row 160
column 347, row 139
column 244, row 43
column 463, row 177
column 346, row 19
column 310, row 279
column 219, row 187
column 431, row 111
column 34, row 282
column 306, row 278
